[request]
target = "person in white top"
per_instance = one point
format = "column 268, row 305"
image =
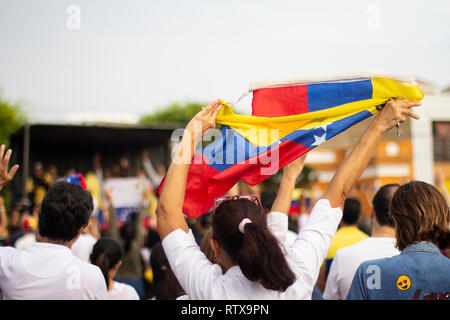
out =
column 49, row 270
column 107, row 254
column 380, row 245
column 82, row 247
column 29, row 238
column 251, row 264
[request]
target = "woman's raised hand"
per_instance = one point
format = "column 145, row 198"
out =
column 395, row 112
column 204, row 120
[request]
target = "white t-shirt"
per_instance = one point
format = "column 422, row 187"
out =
column 82, row 247
column 48, row 272
column 348, row 259
column 122, row 291
column 203, row 280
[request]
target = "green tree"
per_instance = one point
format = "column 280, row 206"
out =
column 11, row 119
column 175, row 113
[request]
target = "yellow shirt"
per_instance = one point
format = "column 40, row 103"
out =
column 344, row 237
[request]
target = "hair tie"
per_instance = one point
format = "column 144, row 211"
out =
column 243, row 223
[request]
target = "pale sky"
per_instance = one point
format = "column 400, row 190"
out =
column 134, row 56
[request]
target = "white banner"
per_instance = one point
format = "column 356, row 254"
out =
column 126, row 192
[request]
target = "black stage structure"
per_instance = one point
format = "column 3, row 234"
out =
column 69, row 146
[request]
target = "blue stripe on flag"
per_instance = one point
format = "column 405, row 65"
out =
column 328, row 95
column 309, row 137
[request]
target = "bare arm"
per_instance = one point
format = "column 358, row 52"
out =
column 169, row 211
column 3, row 219
column 354, row 164
column 291, row 171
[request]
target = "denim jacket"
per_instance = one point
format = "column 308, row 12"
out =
column 419, row 272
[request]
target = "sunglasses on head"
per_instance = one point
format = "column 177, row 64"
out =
column 249, row 197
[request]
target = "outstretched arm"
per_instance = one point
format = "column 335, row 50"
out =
column 291, row 171
column 354, row 164
column 169, row 211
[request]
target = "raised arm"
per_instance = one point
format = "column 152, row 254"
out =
column 277, row 218
column 5, row 176
column 169, row 211
column 291, row 172
column 354, row 164
column 3, row 218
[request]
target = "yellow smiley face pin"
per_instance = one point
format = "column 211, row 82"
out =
column 403, row 282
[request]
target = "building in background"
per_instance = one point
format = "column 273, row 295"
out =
column 418, row 153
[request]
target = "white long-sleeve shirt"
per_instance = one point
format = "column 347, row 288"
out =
column 203, row 280
column 48, row 272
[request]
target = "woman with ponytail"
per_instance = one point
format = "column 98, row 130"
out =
column 107, row 254
column 251, row 263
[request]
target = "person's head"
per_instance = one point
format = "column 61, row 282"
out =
column 65, row 211
column 420, row 213
column 107, row 254
column 351, row 212
column 38, row 170
column 268, row 197
column 165, row 283
column 241, row 237
column 381, row 203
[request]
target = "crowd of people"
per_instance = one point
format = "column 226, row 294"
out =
column 245, row 247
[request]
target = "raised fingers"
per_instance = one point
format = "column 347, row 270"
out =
column 13, row 171
column 2, row 150
column 6, row 159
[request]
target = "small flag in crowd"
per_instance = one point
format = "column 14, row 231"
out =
column 77, row 179
column 288, row 119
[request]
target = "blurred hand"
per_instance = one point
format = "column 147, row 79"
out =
column 5, row 176
column 293, row 169
column 206, row 118
column 108, row 195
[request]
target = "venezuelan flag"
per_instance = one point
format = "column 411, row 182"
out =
column 288, row 119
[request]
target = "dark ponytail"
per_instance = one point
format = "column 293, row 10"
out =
column 107, row 252
column 256, row 250
column 165, row 283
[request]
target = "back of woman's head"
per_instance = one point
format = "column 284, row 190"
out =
column 165, row 283
column 106, row 253
column 421, row 214
column 255, row 249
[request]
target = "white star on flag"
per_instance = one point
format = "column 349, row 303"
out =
column 324, row 126
column 319, row 140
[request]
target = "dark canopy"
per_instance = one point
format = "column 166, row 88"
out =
column 73, row 146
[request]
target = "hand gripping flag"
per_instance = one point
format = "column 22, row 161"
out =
column 288, row 119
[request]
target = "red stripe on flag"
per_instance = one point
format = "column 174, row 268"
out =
column 205, row 183
column 252, row 173
column 202, row 187
column 280, row 102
